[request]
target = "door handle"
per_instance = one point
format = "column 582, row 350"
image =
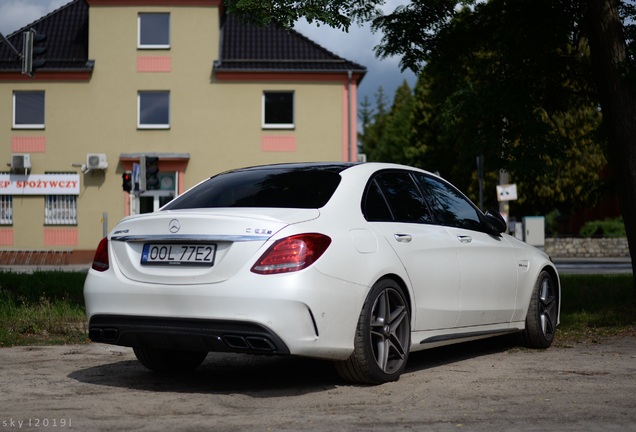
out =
column 465, row 239
column 403, row 238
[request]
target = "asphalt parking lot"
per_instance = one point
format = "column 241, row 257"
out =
column 479, row 386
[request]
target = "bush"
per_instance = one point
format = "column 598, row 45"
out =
column 605, row 228
column 552, row 223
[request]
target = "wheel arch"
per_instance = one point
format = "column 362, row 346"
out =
column 552, row 271
column 555, row 276
column 374, row 359
column 403, row 285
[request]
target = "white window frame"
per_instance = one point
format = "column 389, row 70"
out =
column 15, row 106
column 6, row 209
column 60, row 209
column 141, row 125
column 140, row 45
column 266, row 125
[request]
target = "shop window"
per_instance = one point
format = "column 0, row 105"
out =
column 6, row 210
column 60, row 210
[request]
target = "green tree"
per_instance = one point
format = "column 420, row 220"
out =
column 365, row 115
column 373, row 126
column 573, row 181
column 389, row 137
column 441, row 137
column 538, row 54
column 492, row 101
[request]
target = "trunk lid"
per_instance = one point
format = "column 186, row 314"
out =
column 196, row 246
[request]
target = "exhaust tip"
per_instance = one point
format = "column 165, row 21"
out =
column 252, row 343
column 97, row 334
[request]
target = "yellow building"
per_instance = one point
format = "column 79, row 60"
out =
column 126, row 81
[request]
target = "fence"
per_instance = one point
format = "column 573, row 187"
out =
column 587, row 247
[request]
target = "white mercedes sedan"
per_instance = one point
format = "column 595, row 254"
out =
column 359, row 264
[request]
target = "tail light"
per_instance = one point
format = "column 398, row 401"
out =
column 100, row 261
column 292, row 254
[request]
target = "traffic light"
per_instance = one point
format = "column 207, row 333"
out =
column 32, row 50
column 152, row 172
column 126, row 178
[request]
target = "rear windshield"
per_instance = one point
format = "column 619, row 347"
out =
column 292, row 186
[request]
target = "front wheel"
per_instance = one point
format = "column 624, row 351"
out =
column 383, row 337
column 169, row 361
column 543, row 313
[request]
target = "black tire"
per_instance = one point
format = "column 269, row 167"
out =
column 383, row 337
column 169, row 361
column 543, row 310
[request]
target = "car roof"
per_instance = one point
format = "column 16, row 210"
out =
column 330, row 166
column 334, row 166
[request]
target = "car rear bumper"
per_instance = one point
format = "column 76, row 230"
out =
column 311, row 315
column 185, row 334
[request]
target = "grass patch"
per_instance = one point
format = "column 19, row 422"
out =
column 47, row 308
column 42, row 308
column 595, row 306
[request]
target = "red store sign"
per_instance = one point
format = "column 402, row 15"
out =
column 40, row 184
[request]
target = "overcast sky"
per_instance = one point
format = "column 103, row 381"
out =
column 357, row 45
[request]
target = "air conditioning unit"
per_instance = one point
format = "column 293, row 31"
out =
column 96, row 161
column 20, row 162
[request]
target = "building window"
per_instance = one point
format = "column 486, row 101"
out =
column 153, row 31
column 28, row 110
column 278, row 110
column 6, row 210
column 60, row 210
column 153, row 109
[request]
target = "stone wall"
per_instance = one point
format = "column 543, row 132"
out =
column 586, row 247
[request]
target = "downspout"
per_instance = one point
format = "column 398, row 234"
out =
column 349, row 138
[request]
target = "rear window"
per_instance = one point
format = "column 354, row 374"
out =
column 294, row 186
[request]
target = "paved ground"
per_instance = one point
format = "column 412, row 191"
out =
column 486, row 386
column 618, row 265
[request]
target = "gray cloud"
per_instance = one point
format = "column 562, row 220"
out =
column 14, row 14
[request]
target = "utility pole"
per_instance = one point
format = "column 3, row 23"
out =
column 504, row 205
column 480, row 175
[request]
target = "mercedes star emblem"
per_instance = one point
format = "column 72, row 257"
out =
column 174, row 226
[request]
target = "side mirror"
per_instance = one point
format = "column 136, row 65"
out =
column 495, row 222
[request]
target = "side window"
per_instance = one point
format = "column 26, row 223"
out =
column 153, row 110
column 28, row 110
column 153, row 31
column 404, row 198
column 278, row 110
column 449, row 206
column 374, row 206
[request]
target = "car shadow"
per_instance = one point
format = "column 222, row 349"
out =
column 266, row 376
column 220, row 373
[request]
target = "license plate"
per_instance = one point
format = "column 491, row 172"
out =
column 178, row 254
